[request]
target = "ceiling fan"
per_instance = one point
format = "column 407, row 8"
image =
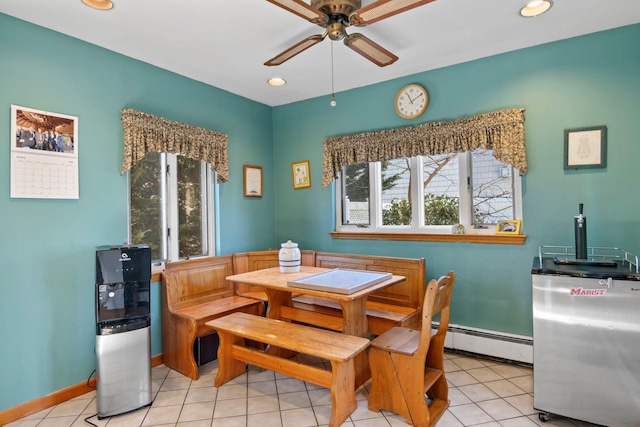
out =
column 335, row 16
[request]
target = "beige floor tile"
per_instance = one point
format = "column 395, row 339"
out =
column 509, row 371
column 468, row 363
column 169, row 398
column 499, row 409
column 523, row 403
column 162, row 415
column 68, row 408
column 470, row 414
column 294, row 401
column 525, row 383
column 58, row 421
column 177, row 383
column 478, row 392
column 262, row 404
column 199, row 395
column 320, row 397
column 304, row 417
column 484, row 374
column 230, row 408
column 450, row 366
column 239, row 421
column 269, row 419
column 262, row 388
column 460, row 378
column 289, row 385
column 197, row 411
column 232, row 391
column 198, row 423
column 456, row 397
column 504, row 388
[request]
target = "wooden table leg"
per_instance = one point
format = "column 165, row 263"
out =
column 276, row 300
column 355, row 323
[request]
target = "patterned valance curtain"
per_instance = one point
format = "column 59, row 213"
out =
column 144, row 133
column 500, row 131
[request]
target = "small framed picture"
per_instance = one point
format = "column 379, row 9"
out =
column 510, row 226
column 585, row 147
column 252, row 181
column 301, row 174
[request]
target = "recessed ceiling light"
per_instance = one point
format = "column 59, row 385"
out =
column 277, row 81
column 535, row 8
column 99, row 4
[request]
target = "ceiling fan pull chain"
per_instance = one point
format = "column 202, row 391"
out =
column 333, row 98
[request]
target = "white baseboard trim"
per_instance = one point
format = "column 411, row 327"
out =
column 518, row 348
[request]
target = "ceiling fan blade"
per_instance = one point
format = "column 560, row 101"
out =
column 370, row 50
column 382, row 9
column 295, row 49
column 303, row 10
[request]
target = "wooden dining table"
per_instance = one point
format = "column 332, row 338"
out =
column 280, row 305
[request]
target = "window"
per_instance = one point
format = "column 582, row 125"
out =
column 473, row 189
column 171, row 206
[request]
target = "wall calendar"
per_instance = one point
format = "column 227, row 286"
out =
column 44, row 154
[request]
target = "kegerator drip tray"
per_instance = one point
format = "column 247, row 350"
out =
column 602, row 263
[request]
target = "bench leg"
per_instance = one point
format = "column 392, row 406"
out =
column 343, row 399
column 228, row 367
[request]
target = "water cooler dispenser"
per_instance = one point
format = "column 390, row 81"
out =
column 123, row 329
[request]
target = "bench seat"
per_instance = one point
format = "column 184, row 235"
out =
column 194, row 292
column 339, row 349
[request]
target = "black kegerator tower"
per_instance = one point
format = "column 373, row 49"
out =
column 123, row 329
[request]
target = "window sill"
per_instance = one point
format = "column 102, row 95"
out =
column 496, row 239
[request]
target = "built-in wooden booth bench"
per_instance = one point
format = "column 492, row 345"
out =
column 194, row 292
column 233, row 355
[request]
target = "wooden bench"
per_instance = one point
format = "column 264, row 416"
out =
column 397, row 305
column 259, row 260
column 194, row 292
column 339, row 349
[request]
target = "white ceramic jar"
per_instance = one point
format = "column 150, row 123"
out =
column 289, row 257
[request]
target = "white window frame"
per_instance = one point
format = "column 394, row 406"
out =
column 465, row 198
column 170, row 217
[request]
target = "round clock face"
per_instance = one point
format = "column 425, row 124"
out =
column 411, row 101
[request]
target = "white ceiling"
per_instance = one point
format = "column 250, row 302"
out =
column 224, row 43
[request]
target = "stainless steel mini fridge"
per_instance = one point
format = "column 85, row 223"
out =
column 586, row 336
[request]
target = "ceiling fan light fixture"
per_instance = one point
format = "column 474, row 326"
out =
column 99, row 4
column 535, row 8
column 277, row 81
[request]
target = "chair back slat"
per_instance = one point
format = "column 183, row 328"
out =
column 437, row 300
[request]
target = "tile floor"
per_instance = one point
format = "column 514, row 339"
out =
column 482, row 393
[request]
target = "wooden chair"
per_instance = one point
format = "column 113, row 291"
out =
column 401, row 356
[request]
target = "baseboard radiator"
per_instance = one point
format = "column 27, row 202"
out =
column 517, row 348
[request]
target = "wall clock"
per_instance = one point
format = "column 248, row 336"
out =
column 411, row 101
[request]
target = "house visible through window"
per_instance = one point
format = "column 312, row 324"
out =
column 171, row 206
column 429, row 193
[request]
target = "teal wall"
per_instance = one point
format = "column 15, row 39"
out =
column 585, row 81
column 47, row 253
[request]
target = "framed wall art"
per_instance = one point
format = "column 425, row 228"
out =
column 301, row 174
column 585, row 147
column 44, row 154
column 252, row 181
column 509, row 226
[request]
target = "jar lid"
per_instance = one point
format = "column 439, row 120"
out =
column 289, row 244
